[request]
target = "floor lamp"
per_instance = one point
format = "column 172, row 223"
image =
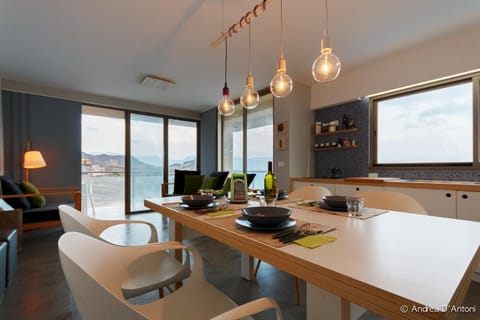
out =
column 32, row 159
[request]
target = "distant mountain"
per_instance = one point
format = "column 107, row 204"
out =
column 102, row 159
column 105, row 162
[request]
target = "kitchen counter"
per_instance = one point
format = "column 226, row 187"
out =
column 398, row 182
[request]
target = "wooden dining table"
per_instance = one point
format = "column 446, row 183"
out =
column 398, row 265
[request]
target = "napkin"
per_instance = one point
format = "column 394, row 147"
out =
column 220, row 213
column 315, row 241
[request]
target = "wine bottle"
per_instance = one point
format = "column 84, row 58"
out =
column 270, row 185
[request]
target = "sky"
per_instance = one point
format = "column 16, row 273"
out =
column 431, row 126
column 107, row 135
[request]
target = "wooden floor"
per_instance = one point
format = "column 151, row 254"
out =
column 40, row 290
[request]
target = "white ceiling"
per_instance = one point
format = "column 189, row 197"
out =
column 105, row 47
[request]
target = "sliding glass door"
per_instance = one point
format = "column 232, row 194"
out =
column 182, row 147
column 146, row 159
column 103, row 160
column 153, row 145
column 247, row 140
column 260, row 140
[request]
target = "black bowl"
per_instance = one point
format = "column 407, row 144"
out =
column 339, row 202
column 196, row 200
column 266, row 216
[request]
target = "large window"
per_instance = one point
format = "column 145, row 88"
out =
column 146, row 158
column 232, row 150
column 182, row 147
column 110, row 185
column 432, row 125
column 260, row 140
column 249, row 150
column 103, row 160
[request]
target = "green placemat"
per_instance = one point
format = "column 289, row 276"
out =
column 315, row 241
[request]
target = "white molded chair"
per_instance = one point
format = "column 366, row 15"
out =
column 160, row 270
column 391, row 200
column 309, row 193
column 96, row 271
column 74, row 220
column 302, row 193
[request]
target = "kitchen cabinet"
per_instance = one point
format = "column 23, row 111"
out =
column 468, row 204
column 437, row 202
column 329, row 186
column 352, row 189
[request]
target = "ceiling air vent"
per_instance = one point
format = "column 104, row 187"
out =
column 156, row 82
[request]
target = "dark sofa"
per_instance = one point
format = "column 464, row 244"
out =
column 39, row 208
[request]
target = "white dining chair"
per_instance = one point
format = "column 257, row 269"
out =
column 391, row 200
column 309, row 193
column 161, row 271
column 96, row 272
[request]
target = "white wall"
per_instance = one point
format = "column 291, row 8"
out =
column 451, row 54
column 296, row 159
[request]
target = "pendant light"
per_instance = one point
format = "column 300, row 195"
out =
column 225, row 107
column 281, row 84
column 327, row 66
column 250, row 98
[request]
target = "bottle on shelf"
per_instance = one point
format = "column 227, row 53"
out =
column 270, row 185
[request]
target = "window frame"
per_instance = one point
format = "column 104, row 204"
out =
column 221, row 118
column 127, row 119
column 474, row 78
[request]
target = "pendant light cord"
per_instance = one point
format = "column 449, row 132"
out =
column 223, row 18
column 226, row 46
column 222, row 26
column 281, row 29
column 325, row 20
column 249, row 51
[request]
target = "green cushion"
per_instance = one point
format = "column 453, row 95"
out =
column 179, row 179
column 209, row 182
column 37, row 201
column 192, row 184
column 226, row 186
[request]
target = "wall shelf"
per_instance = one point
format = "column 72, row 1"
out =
column 334, row 148
column 335, row 132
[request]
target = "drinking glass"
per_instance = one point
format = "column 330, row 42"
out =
column 271, row 201
column 355, row 206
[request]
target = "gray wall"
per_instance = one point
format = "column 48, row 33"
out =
column 208, row 141
column 2, row 153
column 352, row 162
column 55, row 130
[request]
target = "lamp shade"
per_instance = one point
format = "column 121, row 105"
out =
column 33, row 159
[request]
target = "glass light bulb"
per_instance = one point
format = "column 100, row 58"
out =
column 326, row 67
column 226, row 106
column 250, row 98
column 281, row 84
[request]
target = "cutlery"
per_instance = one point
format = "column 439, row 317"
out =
column 213, row 209
column 304, row 230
